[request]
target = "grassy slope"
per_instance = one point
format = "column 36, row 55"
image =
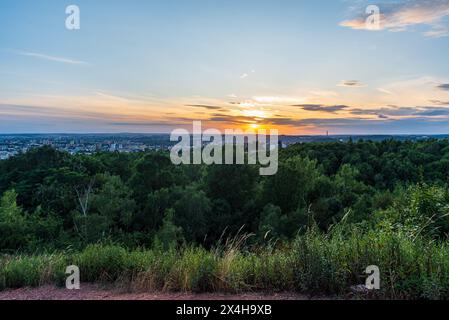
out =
column 314, row 263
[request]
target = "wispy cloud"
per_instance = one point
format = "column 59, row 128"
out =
column 149, row 124
column 403, row 112
column 246, row 75
column 437, row 32
column 443, row 86
column 384, row 111
column 52, row 58
column 385, row 91
column 400, row 15
column 373, row 126
column 204, row 106
column 440, row 102
column 433, row 112
column 351, row 84
column 321, row 108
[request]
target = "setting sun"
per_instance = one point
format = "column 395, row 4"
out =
column 254, row 126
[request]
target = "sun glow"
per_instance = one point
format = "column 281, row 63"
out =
column 254, row 126
column 255, row 113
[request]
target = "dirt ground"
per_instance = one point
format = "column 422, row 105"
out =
column 92, row 292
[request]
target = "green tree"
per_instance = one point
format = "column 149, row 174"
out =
column 272, row 223
column 290, row 188
column 14, row 229
column 169, row 235
column 113, row 202
column 192, row 211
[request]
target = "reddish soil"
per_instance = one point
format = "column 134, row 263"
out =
column 93, row 292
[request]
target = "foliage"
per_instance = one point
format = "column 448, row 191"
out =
column 331, row 210
column 314, row 263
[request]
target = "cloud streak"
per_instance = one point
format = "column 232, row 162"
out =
column 204, row 106
column 52, row 58
column 410, row 112
column 439, row 102
column 443, row 86
column 351, row 84
column 321, row 108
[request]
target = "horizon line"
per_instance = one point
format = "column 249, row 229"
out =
column 285, row 135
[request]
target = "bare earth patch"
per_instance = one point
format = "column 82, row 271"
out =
column 94, row 292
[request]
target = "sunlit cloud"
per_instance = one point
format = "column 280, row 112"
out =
column 109, row 111
column 401, row 15
column 255, row 113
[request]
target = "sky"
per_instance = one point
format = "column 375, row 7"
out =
column 302, row 67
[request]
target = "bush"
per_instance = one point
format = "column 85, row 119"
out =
column 101, row 262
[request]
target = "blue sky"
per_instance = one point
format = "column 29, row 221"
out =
column 303, row 67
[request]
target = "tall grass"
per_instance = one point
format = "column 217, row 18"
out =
column 314, row 263
column 30, row 271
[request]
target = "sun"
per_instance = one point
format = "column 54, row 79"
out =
column 254, row 126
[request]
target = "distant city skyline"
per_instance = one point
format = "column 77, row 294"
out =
column 302, row 67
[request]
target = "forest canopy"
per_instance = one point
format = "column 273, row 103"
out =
column 54, row 200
